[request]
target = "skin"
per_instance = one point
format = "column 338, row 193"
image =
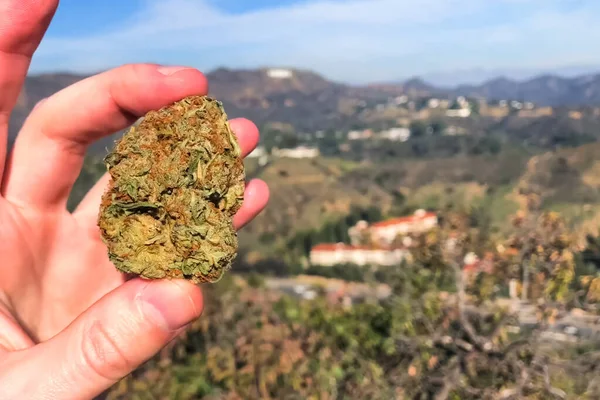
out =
column 70, row 324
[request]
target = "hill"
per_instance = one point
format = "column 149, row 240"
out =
column 306, row 193
column 299, row 98
column 547, row 90
column 309, row 193
column 309, row 102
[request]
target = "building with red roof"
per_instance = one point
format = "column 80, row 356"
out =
column 386, row 232
column 329, row 254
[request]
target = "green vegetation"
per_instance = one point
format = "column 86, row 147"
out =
column 424, row 341
column 439, row 335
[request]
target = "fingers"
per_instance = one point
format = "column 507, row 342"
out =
column 12, row 336
column 115, row 336
column 246, row 133
column 256, row 198
column 22, row 25
column 90, row 205
column 50, row 148
column 87, row 211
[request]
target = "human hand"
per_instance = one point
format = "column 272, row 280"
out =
column 70, row 325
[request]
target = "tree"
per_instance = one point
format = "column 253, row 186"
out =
column 542, row 252
column 438, row 127
column 417, row 129
column 438, row 335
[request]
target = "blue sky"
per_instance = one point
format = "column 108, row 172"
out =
column 346, row 40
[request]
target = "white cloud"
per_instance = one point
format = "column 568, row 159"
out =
column 354, row 40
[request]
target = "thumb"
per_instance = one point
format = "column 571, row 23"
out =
column 116, row 335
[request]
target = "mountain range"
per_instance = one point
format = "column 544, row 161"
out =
column 307, row 101
column 544, row 90
column 478, row 76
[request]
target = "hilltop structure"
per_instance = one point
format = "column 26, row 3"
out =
column 328, row 254
column 383, row 243
column 385, row 233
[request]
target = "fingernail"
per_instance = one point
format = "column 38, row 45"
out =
column 168, row 305
column 171, row 70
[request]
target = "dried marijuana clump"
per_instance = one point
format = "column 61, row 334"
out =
column 177, row 180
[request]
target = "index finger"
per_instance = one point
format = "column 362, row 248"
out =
column 22, row 26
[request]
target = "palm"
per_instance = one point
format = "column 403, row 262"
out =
column 67, row 252
column 55, row 265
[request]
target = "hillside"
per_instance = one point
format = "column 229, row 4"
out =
column 303, row 100
column 308, row 193
column 309, row 102
column 544, row 90
column 305, row 194
column 569, row 182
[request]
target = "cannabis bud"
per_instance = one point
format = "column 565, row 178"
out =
column 177, row 179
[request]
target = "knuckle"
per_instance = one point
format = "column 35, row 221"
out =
column 102, row 353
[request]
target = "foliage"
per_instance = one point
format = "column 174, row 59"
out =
column 425, row 341
column 334, row 231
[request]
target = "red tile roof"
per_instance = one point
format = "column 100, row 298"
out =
column 403, row 220
column 330, row 247
column 338, row 246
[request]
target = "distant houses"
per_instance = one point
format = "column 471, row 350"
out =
column 399, row 134
column 258, row 152
column 327, row 254
column 297, row 152
column 388, row 243
column 385, row 233
column 383, row 243
column 459, row 113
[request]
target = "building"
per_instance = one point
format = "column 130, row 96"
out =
column 297, row 152
column 385, row 232
column 258, row 152
column 473, row 265
column 575, row 114
column 401, row 100
column 433, row 103
column 396, row 134
column 460, row 113
column 359, row 234
column 360, row 134
column 329, row 254
column 517, row 105
column 454, row 131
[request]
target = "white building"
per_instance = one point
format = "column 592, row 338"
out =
column 258, row 152
column 386, row 232
column 329, row 254
column 460, row 113
column 297, row 152
column 396, row 134
column 359, row 233
column 401, row 100
column 433, row 103
column 360, row 134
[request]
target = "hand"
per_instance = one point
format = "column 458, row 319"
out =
column 70, row 325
